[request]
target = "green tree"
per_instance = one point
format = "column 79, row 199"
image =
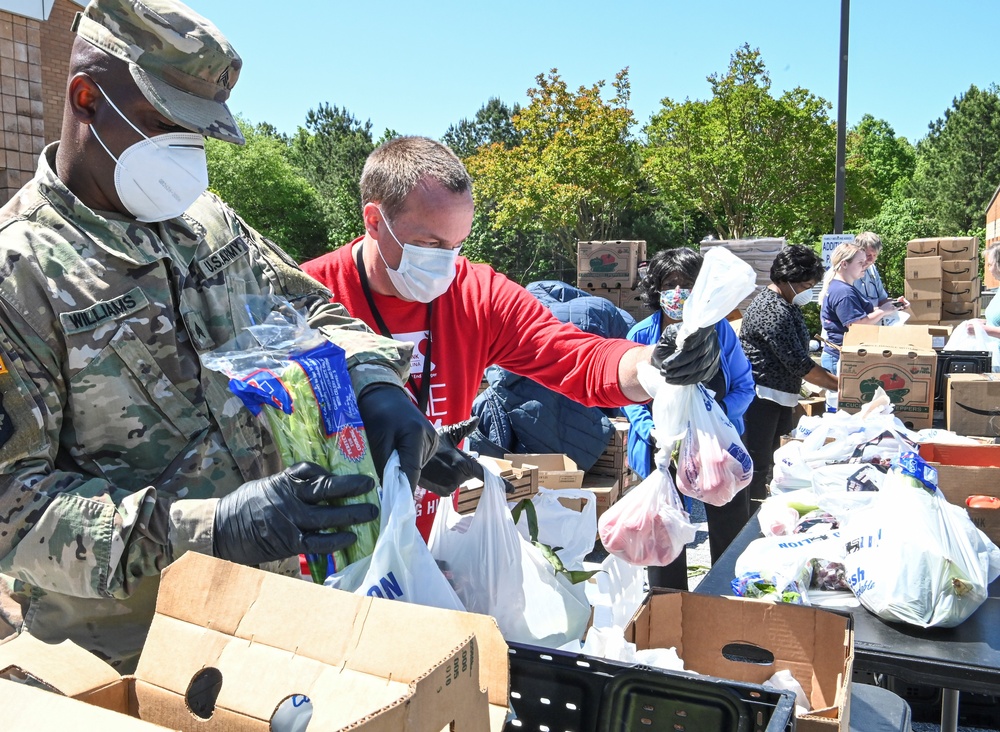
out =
column 750, row 163
column 330, row 151
column 573, row 173
column 879, row 165
column 494, row 122
column 958, row 163
column 898, row 221
column 257, row 180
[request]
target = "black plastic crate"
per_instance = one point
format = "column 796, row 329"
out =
column 957, row 362
column 555, row 691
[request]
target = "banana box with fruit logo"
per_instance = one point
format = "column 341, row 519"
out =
column 899, row 359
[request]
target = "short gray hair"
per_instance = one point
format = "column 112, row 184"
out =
column 869, row 240
column 992, row 257
column 396, row 167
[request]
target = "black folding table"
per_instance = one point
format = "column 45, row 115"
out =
column 965, row 658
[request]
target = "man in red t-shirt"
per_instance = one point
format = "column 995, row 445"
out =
column 404, row 278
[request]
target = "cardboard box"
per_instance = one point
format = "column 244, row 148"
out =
column 972, row 405
column 31, row 708
column 925, row 311
column 959, row 310
column 900, row 359
column 959, row 247
column 960, row 291
column 922, row 248
column 710, row 633
column 614, row 459
column 523, row 478
column 922, row 268
column 555, row 470
column 249, row 640
column 924, row 290
column 607, row 488
column 608, row 263
column 969, row 470
column 958, row 270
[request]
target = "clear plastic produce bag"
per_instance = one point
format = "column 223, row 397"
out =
column 712, row 464
column 649, row 526
column 401, row 567
column 495, row 571
column 913, row 557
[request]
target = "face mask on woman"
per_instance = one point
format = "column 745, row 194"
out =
column 672, row 302
column 800, row 298
column 158, row 178
column 424, row 273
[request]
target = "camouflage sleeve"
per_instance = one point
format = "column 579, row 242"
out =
column 371, row 358
column 64, row 531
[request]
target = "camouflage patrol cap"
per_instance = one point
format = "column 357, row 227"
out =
column 180, row 61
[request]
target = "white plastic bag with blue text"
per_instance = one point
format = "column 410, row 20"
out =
column 401, row 567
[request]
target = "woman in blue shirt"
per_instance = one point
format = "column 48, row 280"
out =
column 666, row 285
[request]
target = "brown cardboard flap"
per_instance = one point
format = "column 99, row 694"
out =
column 27, row 708
column 65, row 667
column 914, row 336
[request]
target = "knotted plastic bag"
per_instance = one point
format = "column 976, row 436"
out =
column 649, row 525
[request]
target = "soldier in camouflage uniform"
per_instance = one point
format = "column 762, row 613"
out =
column 118, row 452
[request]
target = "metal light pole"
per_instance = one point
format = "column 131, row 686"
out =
column 838, row 206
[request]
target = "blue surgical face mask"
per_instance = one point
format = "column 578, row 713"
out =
column 672, row 302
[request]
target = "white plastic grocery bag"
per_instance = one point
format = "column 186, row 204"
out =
column 722, row 283
column 569, row 532
column 913, row 557
column 978, row 340
column 712, row 464
column 497, row 572
column 649, row 525
column 401, row 567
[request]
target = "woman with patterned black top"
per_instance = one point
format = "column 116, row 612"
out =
column 776, row 341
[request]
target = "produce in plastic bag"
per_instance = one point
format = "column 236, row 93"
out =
column 772, row 588
column 497, row 572
column 914, row 557
column 712, row 464
column 311, row 411
column 570, row 533
column 649, row 525
column 722, row 283
column 401, row 567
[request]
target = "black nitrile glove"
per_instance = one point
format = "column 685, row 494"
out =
column 393, row 422
column 279, row 516
column 449, row 467
column 697, row 361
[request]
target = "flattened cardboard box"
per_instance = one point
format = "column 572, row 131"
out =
column 969, row 470
column 972, row 406
column 269, row 638
column 900, row 359
column 816, row 646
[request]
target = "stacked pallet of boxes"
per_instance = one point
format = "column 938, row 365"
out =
column 758, row 253
column 610, row 477
column 942, row 279
column 610, row 269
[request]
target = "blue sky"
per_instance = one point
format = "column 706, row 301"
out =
column 418, row 67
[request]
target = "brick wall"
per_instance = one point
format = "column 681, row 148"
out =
column 21, row 122
column 57, row 42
